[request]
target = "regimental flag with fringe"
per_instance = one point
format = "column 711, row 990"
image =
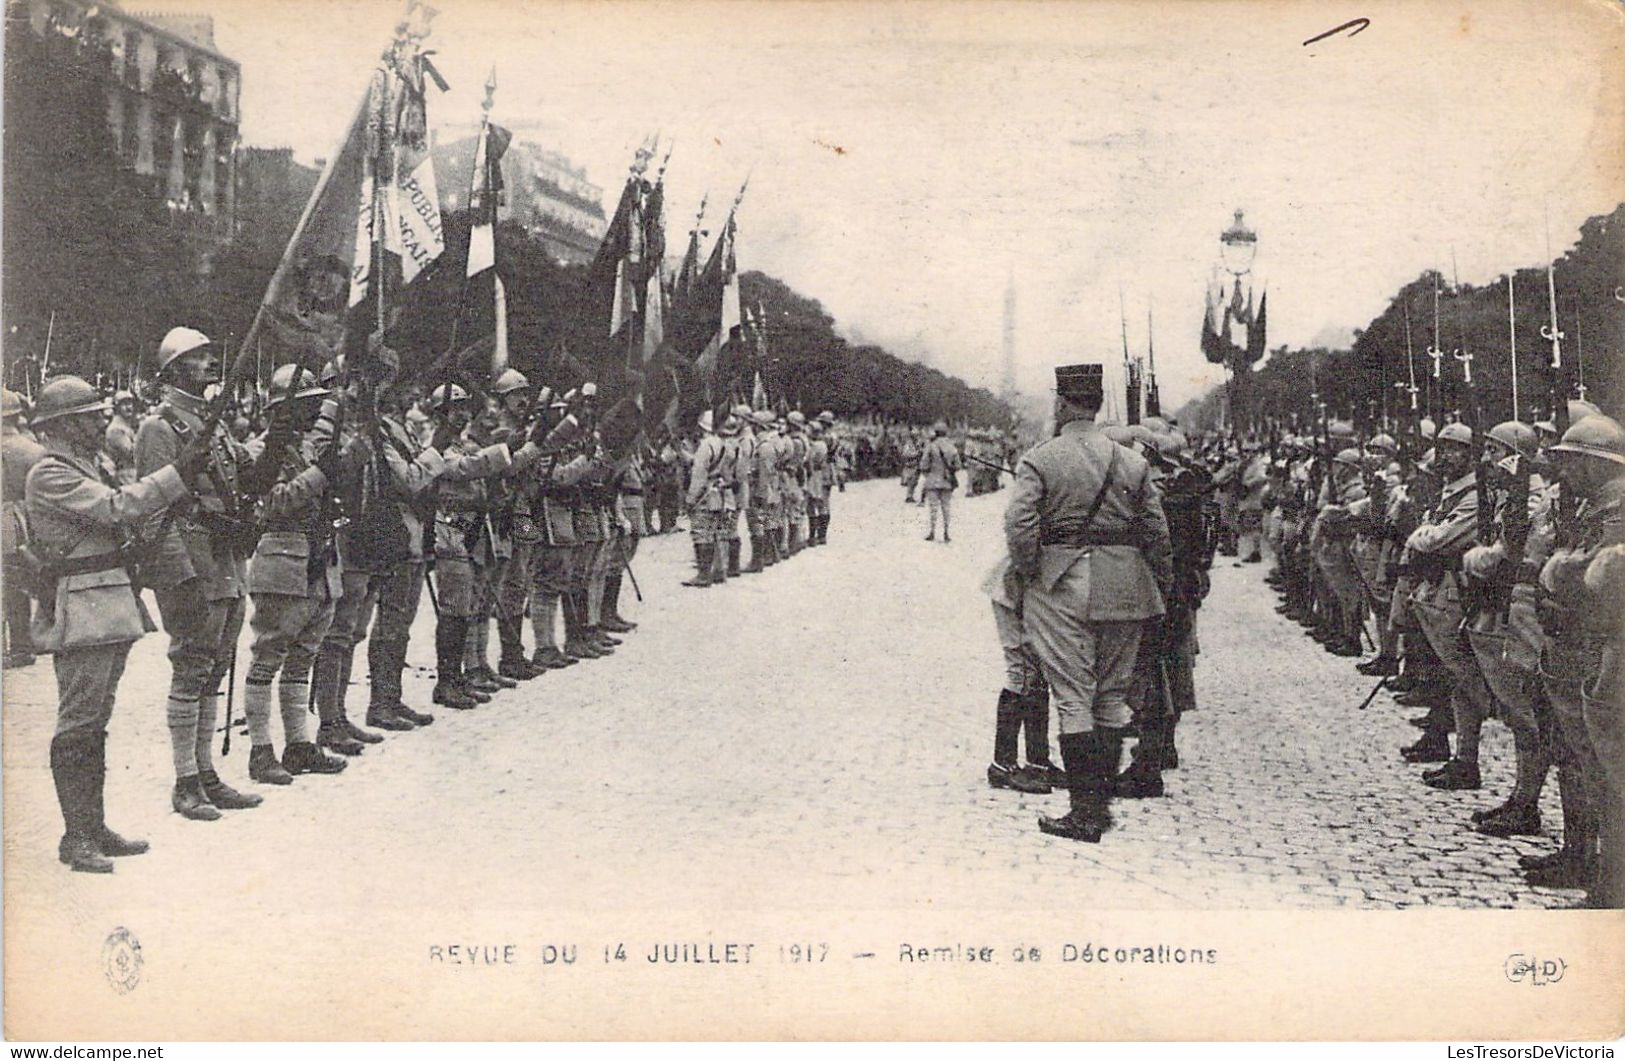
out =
column 374, row 208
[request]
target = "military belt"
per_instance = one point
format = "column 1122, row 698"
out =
column 1086, row 539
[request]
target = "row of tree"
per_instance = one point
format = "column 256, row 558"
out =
column 103, row 267
column 1370, row 382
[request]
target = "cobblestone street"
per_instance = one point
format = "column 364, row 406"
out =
column 813, row 736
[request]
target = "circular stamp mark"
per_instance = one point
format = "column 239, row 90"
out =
column 121, row 960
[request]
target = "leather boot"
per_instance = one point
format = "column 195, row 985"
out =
column 223, row 795
column 756, row 549
column 452, row 694
column 1577, row 831
column 1033, row 711
column 733, row 557
column 331, row 737
column 1006, row 732
column 70, row 770
column 1454, row 776
column 355, row 732
column 705, row 557
column 305, row 758
column 1083, row 819
column 106, row 840
column 416, row 718
column 264, row 768
column 549, row 657
column 489, row 680
column 1379, row 667
column 385, row 717
column 190, row 802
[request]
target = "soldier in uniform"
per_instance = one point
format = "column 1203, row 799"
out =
column 550, row 584
column 119, row 443
column 818, row 482
column 18, row 453
column 198, row 569
column 840, row 465
column 1581, row 617
column 911, row 468
column 1373, row 549
column 766, row 497
column 294, row 576
column 390, row 534
column 89, row 614
column 793, row 453
column 512, row 391
column 939, row 475
column 1091, row 559
column 706, row 509
column 459, row 534
column 1330, row 542
column 595, row 501
column 1434, row 550
column 1023, row 707
column 1164, row 684
column 1489, row 567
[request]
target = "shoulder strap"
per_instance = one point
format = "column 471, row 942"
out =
column 1105, row 485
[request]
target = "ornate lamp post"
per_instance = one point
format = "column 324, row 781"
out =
column 1238, row 245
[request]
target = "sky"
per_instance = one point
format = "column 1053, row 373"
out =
column 907, row 160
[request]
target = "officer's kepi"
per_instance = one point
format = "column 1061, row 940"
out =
column 1082, row 383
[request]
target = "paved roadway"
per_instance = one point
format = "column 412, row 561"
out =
column 812, row 737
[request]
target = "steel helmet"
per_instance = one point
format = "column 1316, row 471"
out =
column 123, row 396
column 1383, row 442
column 1579, row 409
column 67, row 396
column 827, row 417
column 742, row 411
column 1139, row 433
column 1118, row 434
column 1340, row 429
column 1595, row 436
column 178, row 341
column 1349, row 457
column 1515, row 436
column 589, row 390
column 332, row 371
column 707, row 422
column 1427, row 427
column 730, row 425
column 292, row 381
column 1155, row 424
column 1455, row 432
column 766, row 419
column 446, row 394
column 11, row 403
column 1165, row 444
column 510, row 380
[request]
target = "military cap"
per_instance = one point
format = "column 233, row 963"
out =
column 1082, row 382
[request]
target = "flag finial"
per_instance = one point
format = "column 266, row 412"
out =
column 490, row 92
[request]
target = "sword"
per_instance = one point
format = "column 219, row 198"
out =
column 1372, row 695
column 991, row 464
column 434, row 598
column 231, row 698
column 620, row 546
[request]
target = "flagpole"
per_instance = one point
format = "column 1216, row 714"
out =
column 1512, row 331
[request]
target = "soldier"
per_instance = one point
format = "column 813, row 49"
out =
column 459, row 534
column 735, row 496
column 628, row 518
column 794, row 452
column 294, row 576
column 910, row 455
column 1434, row 550
column 1580, row 615
column 18, row 453
column 939, row 476
column 1089, row 548
column 840, row 462
column 555, row 552
column 1023, row 706
column 706, row 510
column 390, row 534
column 1330, row 541
column 1373, row 550
column 595, row 500
column 818, row 482
column 766, row 491
column 1164, row 683
column 119, row 443
column 198, row 568
column 89, row 615
column 512, row 391
column 1491, row 570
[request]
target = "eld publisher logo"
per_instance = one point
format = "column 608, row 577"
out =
column 1525, row 968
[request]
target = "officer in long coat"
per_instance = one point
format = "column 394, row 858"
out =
column 1090, row 550
column 89, row 614
column 939, row 476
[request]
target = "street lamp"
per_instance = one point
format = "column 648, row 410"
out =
column 1237, row 245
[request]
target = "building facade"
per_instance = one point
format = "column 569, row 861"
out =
column 545, row 192
column 172, row 98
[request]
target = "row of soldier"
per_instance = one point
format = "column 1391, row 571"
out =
column 330, row 525
column 1110, row 533
column 1491, row 570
